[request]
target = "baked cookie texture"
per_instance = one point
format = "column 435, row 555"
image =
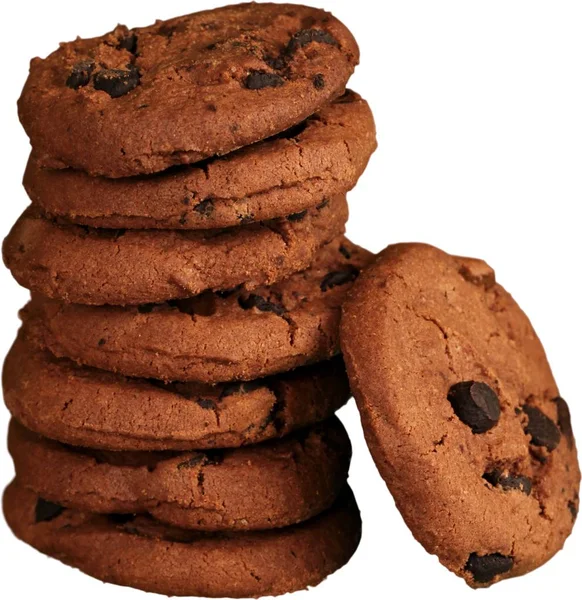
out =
column 122, row 549
column 212, row 338
column 461, row 412
column 125, row 267
column 299, row 169
column 140, row 100
column 87, row 407
column 265, row 486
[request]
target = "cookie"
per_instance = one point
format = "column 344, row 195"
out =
column 121, row 267
column 140, row 100
column 213, row 337
column 97, row 409
column 145, row 554
column 442, row 359
column 266, row 486
column 297, row 170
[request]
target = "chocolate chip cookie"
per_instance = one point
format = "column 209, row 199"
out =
column 299, row 169
column 265, row 486
column 122, row 548
column 213, row 337
column 141, row 100
column 97, row 409
column 461, row 412
column 124, row 267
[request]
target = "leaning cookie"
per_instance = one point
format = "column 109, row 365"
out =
column 213, row 337
column 141, row 100
column 297, row 170
column 442, row 359
column 97, row 409
column 145, row 554
column 123, row 267
column 265, row 486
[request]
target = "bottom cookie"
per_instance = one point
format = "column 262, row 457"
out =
column 142, row 553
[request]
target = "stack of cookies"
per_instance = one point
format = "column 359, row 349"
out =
column 175, row 380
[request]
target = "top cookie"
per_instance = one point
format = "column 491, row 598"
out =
column 461, row 412
column 141, row 100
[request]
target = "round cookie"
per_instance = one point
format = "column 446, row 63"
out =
column 213, row 337
column 144, row 554
column 442, row 359
column 141, row 100
column 293, row 172
column 265, row 486
column 124, row 267
column 97, row 409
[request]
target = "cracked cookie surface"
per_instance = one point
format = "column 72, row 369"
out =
column 212, row 337
column 264, row 486
column 127, row 267
column 141, row 100
column 299, row 169
column 188, row 563
column 442, row 359
column 88, row 407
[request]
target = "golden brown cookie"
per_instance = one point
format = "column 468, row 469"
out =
column 297, row 170
column 461, row 412
column 213, row 337
column 97, row 409
column 141, row 100
column 265, row 486
column 187, row 563
column 124, row 267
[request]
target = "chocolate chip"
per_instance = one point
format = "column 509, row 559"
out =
column 260, row 303
column 543, row 431
column 46, row 511
column 297, row 216
column 345, row 252
column 307, row 36
column 564, row 420
column 485, row 568
column 129, row 42
column 573, row 508
column 101, row 342
column 116, row 82
column 319, row 82
column 206, row 403
column 258, row 80
column 205, row 207
column 80, row 74
column 476, row 405
column 508, row 481
column 335, row 278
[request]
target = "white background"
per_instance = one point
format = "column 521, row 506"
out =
column 479, row 113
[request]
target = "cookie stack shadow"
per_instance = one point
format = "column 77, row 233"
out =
column 174, row 383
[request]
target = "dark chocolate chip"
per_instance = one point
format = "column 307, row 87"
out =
column 101, row 342
column 129, row 42
column 260, row 303
column 307, row 36
column 80, row 74
column 543, row 431
column 573, row 508
column 345, row 252
column 319, row 82
column 297, row 216
column 212, row 107
column 116, row 82
column 508, row 481
column 275, row 62
column 485, row 568
column 206, row 403
column 335, row 278
column 476, row 405
column 205, row 207
column 46, row 511
column 258, row 80
column 564, row 420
